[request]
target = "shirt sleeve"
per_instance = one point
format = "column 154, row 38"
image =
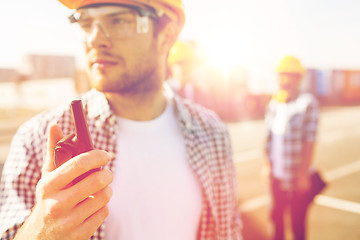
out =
column 20, row 175
column 311, row 121
column 236, row 223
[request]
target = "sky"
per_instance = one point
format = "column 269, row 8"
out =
column 255, row 33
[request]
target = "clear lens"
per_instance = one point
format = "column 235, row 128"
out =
column 142, row 24
column 121, row 24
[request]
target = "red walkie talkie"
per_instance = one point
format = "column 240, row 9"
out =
column 74, row 144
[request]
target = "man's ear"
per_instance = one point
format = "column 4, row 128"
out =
column 167, row 37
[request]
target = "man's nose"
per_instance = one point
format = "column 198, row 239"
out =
column 98, row 37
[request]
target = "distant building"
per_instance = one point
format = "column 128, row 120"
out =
column 8, row 74
column 49, row 66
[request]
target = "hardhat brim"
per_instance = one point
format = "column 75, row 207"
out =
column 174, row 11
column 76, row 4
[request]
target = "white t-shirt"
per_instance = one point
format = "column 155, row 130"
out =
column 278, row 130
column 156, row 195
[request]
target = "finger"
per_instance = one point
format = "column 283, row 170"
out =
column 91, row 224
column 54, row 135
column 88, row 187
column 77, row 166
column 91, row 205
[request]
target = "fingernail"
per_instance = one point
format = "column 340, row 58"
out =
column 109, row 155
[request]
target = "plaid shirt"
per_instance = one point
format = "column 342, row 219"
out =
column 301, row 127
column 208, row 149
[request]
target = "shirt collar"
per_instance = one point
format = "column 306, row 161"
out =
column 99, row 105
column 186, row 115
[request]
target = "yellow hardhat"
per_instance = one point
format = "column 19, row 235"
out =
column 174, row 9
column 179, row 52
column 290, row 64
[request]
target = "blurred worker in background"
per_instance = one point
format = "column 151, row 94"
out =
column 166, row 164
column 292, row 120
column 182, row 63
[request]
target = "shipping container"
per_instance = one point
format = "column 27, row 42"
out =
column 351, row 92
column 338, row 85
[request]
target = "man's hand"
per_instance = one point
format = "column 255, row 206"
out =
column 67, row 211
column 303, row 183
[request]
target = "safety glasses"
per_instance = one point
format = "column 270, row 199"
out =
column 116, row 22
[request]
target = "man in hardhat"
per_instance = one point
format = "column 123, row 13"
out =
column 292, row 120
column 165, row 165
column 182, row 64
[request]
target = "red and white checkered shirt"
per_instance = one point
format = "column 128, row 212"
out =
column 208, row 149
column 301, row 126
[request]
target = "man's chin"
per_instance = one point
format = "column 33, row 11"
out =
column 97, row 85
column 105, row 88
column 99, row 82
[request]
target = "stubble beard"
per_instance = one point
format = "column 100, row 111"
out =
column 137, row 84
column 130, row 84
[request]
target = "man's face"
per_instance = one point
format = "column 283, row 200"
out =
column 289, row 82
column 119, row 58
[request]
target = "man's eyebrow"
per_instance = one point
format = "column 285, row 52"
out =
column 118, row 13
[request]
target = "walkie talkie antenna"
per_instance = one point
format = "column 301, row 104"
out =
column 81, row 128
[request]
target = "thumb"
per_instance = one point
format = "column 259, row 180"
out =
column 54, row 136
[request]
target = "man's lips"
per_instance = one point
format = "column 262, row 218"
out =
column 102, row 63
